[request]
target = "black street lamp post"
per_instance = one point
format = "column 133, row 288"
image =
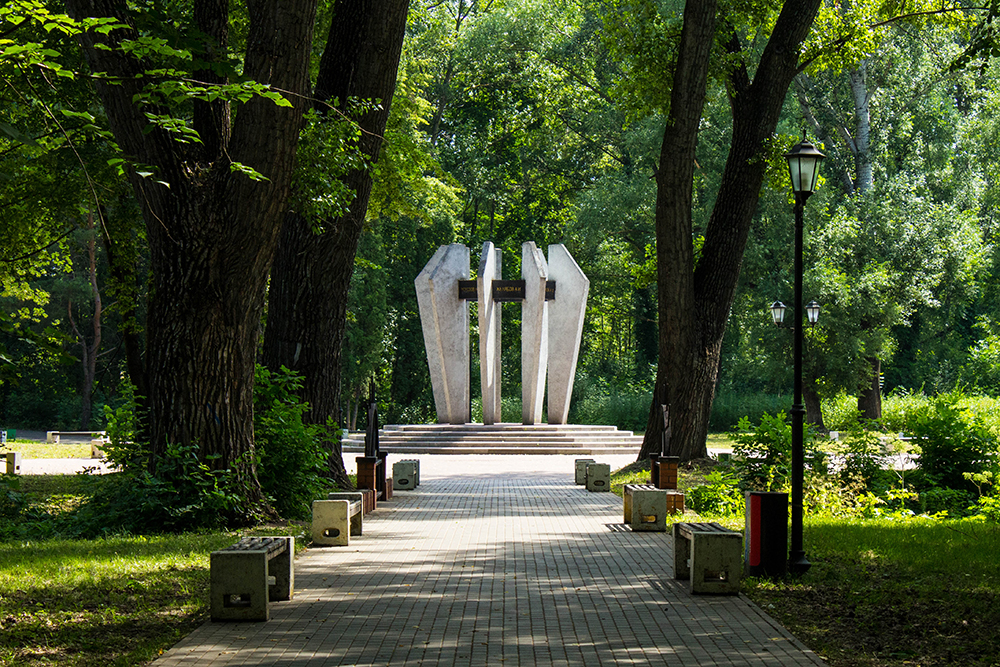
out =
column 803, row 167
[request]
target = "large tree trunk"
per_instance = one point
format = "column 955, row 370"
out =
column 676, row 373
column 312, row 273
column 695, row 301
column 814, row 408
column 212, row 232
column 870, row 398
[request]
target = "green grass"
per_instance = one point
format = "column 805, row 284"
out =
column 31, row 449
column 893, row 593
column 115, row 601
column 120, row 600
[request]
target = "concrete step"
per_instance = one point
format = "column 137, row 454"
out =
column 508, row 438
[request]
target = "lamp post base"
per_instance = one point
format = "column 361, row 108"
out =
column 797, row 563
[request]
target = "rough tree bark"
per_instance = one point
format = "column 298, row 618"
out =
column 212, row 232
column 694, row 302
column 307, row 303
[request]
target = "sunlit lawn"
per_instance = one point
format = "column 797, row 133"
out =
column 31, row 449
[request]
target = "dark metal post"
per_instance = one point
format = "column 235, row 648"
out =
column 797, row 562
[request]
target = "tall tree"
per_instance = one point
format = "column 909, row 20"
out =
column 211, row 227
column 312, row 272
column 695, row 297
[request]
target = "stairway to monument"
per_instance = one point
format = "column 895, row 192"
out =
column 507, row 438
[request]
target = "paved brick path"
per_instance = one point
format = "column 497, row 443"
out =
column 496, row 561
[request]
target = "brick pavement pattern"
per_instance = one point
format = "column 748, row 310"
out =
column 496, row 560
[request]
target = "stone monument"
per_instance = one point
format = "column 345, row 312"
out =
column 553, row 297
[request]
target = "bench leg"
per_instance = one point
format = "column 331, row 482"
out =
column 627, row 504
column 682, row 555
column 649, row 511
column 716, row 563
column 239, row 586
column 281, row 568
column 330, row 523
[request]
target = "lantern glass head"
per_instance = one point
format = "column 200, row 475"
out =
column 812, row 311
column 778, row 312
column 803, row 166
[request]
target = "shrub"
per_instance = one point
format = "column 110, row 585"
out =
column 292, row 455
column 987, row 505
column 125, row 451
column 12, row 501
column 864, row 455
column 840, row 413
column 954, row 502
column 900, row 408
column 763, row 452
column 729, row 407
column 720, row 494
column 597, row 402
column 184, row 494
column 951, row 443
column 830, row 495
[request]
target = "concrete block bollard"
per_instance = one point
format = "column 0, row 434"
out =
column 598, row 477
column 404, row 475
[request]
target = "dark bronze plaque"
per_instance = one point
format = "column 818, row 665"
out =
column 550, row 290
column 508, row 290
column 467, row 290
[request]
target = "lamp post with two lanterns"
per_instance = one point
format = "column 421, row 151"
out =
column 803, row 167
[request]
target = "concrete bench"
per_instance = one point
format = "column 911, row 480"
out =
column 335, row 520
column 53, row 437
column 406, row 474
column 598, row 477
column 646, row 507
column 249, row 574
column 710, row 556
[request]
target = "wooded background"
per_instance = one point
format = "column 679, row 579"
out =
column 162, row 169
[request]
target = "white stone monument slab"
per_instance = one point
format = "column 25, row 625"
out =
column 566, row 314
column 489, row 332
column 534, row 333
column 444, row 319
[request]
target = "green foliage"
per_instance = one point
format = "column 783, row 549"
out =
column 183, row 494
column 730, row 406
column 952, row 503
column 125, row 451
column 763, row 451
column 292, row 455
column 721, row 494
column 952, row 443
column 987, row 505
column 863, row 453
column 328, row 150
column 595, row 401
column 12, row 501
column 893, row 504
